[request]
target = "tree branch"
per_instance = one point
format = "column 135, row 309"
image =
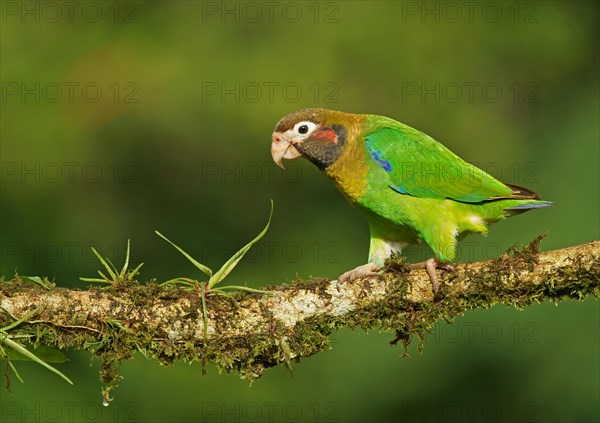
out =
column 248, row 332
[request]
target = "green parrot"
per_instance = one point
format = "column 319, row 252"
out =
column 407, row 185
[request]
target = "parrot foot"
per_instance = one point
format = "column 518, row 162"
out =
column 430, row 267
column 369, row 269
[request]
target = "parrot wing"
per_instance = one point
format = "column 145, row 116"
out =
column 419, row 166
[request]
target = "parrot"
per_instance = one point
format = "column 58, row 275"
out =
column 409, row 187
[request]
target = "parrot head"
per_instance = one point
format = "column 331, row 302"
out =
column 316, row 134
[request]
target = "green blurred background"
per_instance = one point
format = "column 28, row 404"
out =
column 119, row 118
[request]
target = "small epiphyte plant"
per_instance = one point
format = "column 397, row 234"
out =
column 217, row 277
column 116, row 277
column 208, row 287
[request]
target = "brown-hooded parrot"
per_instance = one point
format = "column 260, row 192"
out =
column 408, row 186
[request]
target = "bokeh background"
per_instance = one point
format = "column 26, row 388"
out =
column 119, row 118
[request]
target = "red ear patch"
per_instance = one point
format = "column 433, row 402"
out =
column 326, row 135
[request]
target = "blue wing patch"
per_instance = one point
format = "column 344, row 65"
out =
column 385, row 164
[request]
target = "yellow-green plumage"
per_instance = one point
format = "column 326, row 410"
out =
column 407, row 185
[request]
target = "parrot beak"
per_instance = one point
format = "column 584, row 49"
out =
column 281, row 149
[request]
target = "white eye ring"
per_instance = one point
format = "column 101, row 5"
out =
column 304, row 128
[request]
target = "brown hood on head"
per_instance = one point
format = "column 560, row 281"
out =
column 323, row 146
column 324, row 116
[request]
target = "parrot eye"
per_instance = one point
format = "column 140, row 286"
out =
column 303, row 128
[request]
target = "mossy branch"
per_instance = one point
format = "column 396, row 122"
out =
column 248, row 332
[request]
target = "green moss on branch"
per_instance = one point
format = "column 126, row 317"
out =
column 249, row 332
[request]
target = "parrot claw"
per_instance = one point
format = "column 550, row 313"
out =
column 369, row 269
column 430, row 267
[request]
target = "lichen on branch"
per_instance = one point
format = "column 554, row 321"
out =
column 249, row 332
